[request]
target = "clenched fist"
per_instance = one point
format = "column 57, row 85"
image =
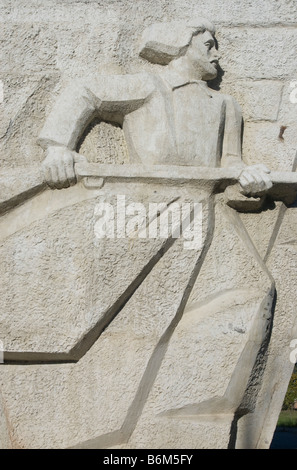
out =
column 254, row 180
column 58, row 167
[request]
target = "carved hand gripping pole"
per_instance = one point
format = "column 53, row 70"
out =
column 93, row 175
column 284, row 184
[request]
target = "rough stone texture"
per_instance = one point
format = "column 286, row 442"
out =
column 104, row 143
column 120, row 392
column 218, row 320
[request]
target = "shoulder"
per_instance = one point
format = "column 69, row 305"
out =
column 230, row 103
column 112, row 85
column 142, row 83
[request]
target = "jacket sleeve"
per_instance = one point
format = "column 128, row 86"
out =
column 232, row 141
column 108, row 97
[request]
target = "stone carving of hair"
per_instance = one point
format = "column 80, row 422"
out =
column 163, row 42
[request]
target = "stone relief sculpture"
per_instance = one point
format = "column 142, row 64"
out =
column 166, row 341
column 157, row 112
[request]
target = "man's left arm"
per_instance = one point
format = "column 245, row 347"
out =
column 254, row 179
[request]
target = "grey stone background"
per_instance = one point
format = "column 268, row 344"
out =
column 47, row 43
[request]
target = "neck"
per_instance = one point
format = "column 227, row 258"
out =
column 184, row 69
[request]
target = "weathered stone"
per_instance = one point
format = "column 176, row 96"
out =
column 251, row 58
column 259, row 99
column 133, row 340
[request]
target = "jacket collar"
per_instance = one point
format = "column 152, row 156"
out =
column 177, row 80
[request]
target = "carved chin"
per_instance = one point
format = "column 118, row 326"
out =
column 210, row 74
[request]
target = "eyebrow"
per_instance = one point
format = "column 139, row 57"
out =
column 210, row 41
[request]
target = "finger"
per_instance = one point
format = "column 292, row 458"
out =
column 70, row 174
column 47, row 175
column 246, row 178
column 263, row 168
column 51, row 178
column 55, row 182
column 262, row 182
column 267, row 181
column 246, row 182
column 63, row 180
column 258, row 184
column 68, row 159
column 79, row 158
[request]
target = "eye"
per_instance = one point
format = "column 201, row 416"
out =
column 209, row 44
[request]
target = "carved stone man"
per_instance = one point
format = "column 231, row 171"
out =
column 169, row 118
column 139, row 342
column 209, row 307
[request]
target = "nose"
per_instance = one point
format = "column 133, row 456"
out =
column 215, row 54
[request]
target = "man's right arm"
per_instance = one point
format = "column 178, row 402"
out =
column 109, row 97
